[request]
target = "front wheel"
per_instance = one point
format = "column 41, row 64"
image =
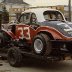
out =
column 14, row 56
column 42, row 45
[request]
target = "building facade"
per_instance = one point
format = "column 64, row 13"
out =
column 14, row 7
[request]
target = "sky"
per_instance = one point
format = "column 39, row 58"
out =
column 47, row 2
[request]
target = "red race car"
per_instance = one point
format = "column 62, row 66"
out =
column 42, row 33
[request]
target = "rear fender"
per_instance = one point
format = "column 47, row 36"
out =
column 9, row 33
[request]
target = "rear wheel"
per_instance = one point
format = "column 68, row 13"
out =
column 69, row 47
column 42, row 44
column 14, row 57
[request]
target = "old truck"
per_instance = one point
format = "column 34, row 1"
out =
column 41, row 33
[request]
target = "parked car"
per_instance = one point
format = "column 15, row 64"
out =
column 41, row 33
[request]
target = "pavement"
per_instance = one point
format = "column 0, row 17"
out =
column 37, row 66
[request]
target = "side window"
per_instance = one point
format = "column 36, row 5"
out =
column 33, row 18
column 25, row 18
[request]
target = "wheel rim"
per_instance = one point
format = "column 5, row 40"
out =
column 38, row 45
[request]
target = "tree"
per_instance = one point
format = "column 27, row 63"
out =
column 5, row 15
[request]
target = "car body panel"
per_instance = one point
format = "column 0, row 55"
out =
column 55, row 28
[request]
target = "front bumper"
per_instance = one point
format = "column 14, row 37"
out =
column 61, row 43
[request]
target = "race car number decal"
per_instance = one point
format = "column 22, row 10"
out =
column 24, row 32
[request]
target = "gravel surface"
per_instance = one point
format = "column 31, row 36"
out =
column 37, row 66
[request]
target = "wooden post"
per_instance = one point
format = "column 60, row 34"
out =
column 0, row 20
column 69, row 10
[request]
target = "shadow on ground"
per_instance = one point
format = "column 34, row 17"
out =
column 36, row 65
column 39, row 64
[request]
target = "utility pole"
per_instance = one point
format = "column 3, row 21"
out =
column 0, row 19
column 69, row 10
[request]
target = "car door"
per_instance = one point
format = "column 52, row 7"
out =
column 23, row 29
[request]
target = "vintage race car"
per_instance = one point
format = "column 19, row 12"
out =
column 40, row 32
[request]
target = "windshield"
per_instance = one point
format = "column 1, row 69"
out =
column 52, row 15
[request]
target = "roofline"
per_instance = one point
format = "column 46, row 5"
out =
column 14, row 3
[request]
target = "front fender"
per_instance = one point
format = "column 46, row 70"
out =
column 54, row 32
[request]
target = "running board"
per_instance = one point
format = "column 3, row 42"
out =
column 47, row 58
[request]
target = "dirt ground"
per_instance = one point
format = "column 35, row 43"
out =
column 37, row 66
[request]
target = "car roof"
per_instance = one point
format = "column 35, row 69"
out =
column 39, row 12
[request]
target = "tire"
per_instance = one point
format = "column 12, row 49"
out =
column 42, row 45
column 3, row 39
column 69, row 47
column 14, row 57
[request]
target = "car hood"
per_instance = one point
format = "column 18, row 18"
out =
column 63, row 27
